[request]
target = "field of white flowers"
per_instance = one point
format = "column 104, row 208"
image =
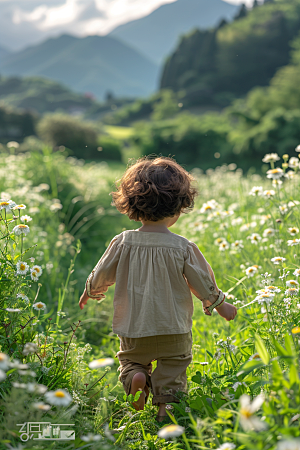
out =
column 58, row 364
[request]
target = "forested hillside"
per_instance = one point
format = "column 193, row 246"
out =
column 217, row 65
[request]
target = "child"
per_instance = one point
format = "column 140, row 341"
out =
column 155, row 272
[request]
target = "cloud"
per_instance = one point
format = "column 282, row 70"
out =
column 25, row 22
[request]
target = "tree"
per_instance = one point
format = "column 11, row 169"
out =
column 243, row 11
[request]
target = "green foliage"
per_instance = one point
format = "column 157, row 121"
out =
column 15, row 125
column 235, row 57
column 109, row 148
column 166, row 107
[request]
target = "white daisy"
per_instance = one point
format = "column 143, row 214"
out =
column 22, row 268
column 23, row 297
column 19, row 207
column 227, row 446
column 2, row 375
column 293, row 231
column 12, row 144
column 294, row 162
column 290, row 174
column 292, row 291
column 13, row 309
column 256, row 191
column 269, row 232
column 297, row 273
column 19, row 385
column 283, row 209
column 293, row 444
column 292, row 242
column 37, row 269
column 293, row 203
column 103, row 362
column 292, row 283
column 34, row 275
column 170, row 431
column 90, row 437
column 29, row 348
column 275, row 174
column 276, row 183
column 278, row 260
column 297, row 149
column 219, row 240
column 250, row 271
column 271, row 157
column 56, row 207
column 224, row 246
column 60, row 397
column 265, row 298
column 39, row 306
column 37, row 388
column 248, row 420
column 21, row 229
column 41, row 406
column 269, row 193
column 254, row 237
column 8, row 205
column 26, row 218
column 254, row 356
column 273, row 289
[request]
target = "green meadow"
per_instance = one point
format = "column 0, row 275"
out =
column 243, row 383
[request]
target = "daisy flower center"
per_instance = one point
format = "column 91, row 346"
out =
column 22, row 266
column 59, row 394
column 39, row 305
column 4, row 204
column 246, row 413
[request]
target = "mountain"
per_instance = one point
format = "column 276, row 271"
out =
column 3, row 53
column 93, row 64
column 215, row 66
column 156, row 35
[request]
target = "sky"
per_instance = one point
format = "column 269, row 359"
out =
column 25, row 22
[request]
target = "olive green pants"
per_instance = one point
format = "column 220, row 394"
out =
column 173, row 353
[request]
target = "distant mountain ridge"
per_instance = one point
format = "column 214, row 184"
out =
column 94, row 64
column 3, row 53
column 157, row 34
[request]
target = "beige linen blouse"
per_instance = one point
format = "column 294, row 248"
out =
column 155, row 274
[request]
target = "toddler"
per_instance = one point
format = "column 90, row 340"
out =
column 155, row 272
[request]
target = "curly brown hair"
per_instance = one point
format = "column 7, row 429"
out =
column 153, row 189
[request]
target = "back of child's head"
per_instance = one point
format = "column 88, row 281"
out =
column 153, row 189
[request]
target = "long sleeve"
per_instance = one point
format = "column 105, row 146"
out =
column 201, row 280
column 104, row 273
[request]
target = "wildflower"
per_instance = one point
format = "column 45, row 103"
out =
column 7, row 205
column 250, row 271
column 38, row 270
column 224, row 246
column 275, row 173
column 269, row 193
column 60, row 397
column 292, row 242
column 256, row 190
column 291, row 204
column 187, row 409
column 203, row 364
column 237, row 221
column 289, row 445
column 23, row 297
column 56, row 207
column 293, row 231
column 34, row 275
column 255, row 356
column 272, row 289
column 90, row 437
column 291, row 291
column 255, row 238
column 248, row 420
column 294, row 162
column 276, row 183
column 292, row 283
column 43, row 187
column 21, row 229
column 3, row 361
column 41, row 406
column 283, row 209
column 101, row 363
column 227, row 446
column 297, row 273
column 277, row 260
column 19, row 207
column 247, row 226
column 29, row 348
column 290, row 174
column 26, row 218
column 269, row 232
column 219, row 240
column 2, row 375
column 230, row 297
column 39, row 306
column 170, row 431
column 271, row 157
column 12, row 309
column 265, row 298
column 37, row 388
column 22, row 268
column 296, row 330
column 15, row 364
column 19, row 385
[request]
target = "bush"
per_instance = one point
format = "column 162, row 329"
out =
column 109, row 148
column 79, row 137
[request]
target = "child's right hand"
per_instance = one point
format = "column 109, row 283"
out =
column 227, row 311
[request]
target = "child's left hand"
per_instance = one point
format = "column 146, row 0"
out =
column 83, row 300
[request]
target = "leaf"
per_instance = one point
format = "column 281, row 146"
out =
column 294, row 376
column 280, row 350
column 261, row 349
column 289, row 345
column 249, row 367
